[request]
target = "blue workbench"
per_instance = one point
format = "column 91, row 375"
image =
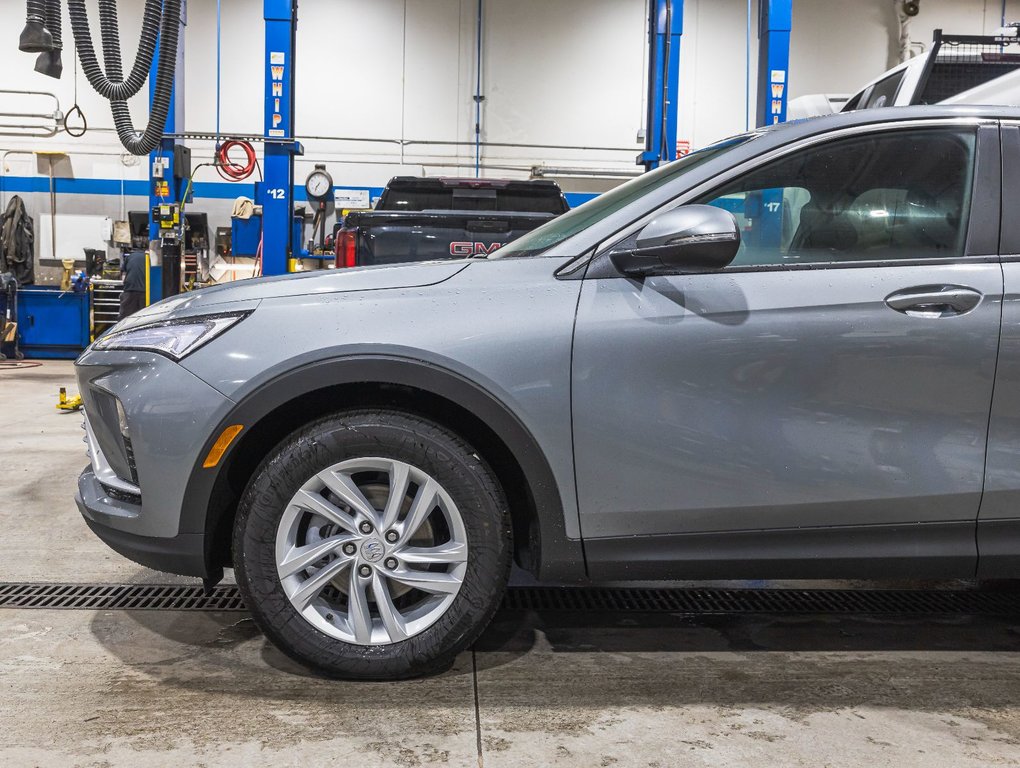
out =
column 52, row 323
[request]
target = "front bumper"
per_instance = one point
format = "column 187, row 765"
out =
column 183, row 554
column 132, row 495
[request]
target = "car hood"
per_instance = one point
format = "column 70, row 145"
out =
column 240, row 294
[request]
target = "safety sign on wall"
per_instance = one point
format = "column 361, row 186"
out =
column 346, row 199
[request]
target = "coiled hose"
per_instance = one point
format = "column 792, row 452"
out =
column 233, row 171
column 169, row 29
column 111, row 86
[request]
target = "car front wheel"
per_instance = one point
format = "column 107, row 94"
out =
column 372, row 544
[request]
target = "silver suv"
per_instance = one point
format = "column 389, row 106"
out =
column 795, row 353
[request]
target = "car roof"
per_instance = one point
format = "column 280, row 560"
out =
column 796, row 129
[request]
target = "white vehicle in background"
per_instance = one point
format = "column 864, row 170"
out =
column 815, row 105
column 959, row 69
column 1002, row 91
column 899, row 87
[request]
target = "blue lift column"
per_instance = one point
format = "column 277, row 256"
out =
column 774, row 22
column 276, row 192
column 665, row 27
column 163, row 188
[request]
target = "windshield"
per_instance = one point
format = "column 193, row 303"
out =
column 569, row 224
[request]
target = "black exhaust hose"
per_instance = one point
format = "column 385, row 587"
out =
column 49, row 63
column 35, row 12
column 35, row 38
column 53, row 23
column 113, row 86
column 166, row 66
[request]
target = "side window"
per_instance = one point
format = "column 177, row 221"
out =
column 892, row 195
column 883, row 94
column 853, row 102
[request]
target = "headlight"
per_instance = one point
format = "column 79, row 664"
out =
column 173, row 338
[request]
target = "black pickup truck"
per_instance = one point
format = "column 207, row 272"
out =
column 422, row 219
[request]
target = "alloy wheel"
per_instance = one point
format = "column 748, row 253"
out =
column 371, row 551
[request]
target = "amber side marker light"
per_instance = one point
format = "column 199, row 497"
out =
column 220, row 446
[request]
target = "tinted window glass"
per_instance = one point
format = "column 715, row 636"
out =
column 893, row 195
column 852, row 103
column 511, row 200
column 582, row 217
column 883, row 93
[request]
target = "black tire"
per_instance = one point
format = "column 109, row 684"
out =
column 394, row 435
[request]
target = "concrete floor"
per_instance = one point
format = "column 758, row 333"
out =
column 80, row 688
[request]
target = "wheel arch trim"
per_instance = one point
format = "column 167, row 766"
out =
column 559, row 557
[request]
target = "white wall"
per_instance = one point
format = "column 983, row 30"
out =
column 564, row 79
column 839, row 46
column 555, row 72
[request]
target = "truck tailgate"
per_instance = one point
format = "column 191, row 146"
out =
column 395, row 237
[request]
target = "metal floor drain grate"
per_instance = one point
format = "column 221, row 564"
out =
column 164, row 597
column 122, row 597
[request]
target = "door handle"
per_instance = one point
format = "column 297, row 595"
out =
column 934, row 300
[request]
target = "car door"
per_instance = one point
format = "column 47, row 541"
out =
column 998, row 534
column 820, row 407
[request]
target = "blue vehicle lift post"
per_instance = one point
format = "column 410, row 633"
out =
column 275, row 193
column 665, row 28
column 162, row 186
column 774, row 23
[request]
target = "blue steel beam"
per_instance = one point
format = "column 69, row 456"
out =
column 665, row 28
column 275, row 192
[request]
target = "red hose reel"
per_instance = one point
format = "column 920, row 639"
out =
column 230, row 169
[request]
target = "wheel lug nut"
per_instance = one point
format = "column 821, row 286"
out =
column 391, row 563
column 391, row 536
column 365, row 527
column 349, row 549
column 365, row 570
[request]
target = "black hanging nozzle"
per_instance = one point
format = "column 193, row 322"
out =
column 49, row 62
column 35, row 38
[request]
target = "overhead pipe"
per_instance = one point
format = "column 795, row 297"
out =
column 666, row 151
column 478, row 95
column 544, row 171
column 31, row 130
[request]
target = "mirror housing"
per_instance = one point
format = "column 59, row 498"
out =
column 688, row 238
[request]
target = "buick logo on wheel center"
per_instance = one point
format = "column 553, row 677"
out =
column 373, row 550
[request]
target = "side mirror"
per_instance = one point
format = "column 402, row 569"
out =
column 690, row 238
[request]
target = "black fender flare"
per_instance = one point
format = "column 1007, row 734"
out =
column 558, row 558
